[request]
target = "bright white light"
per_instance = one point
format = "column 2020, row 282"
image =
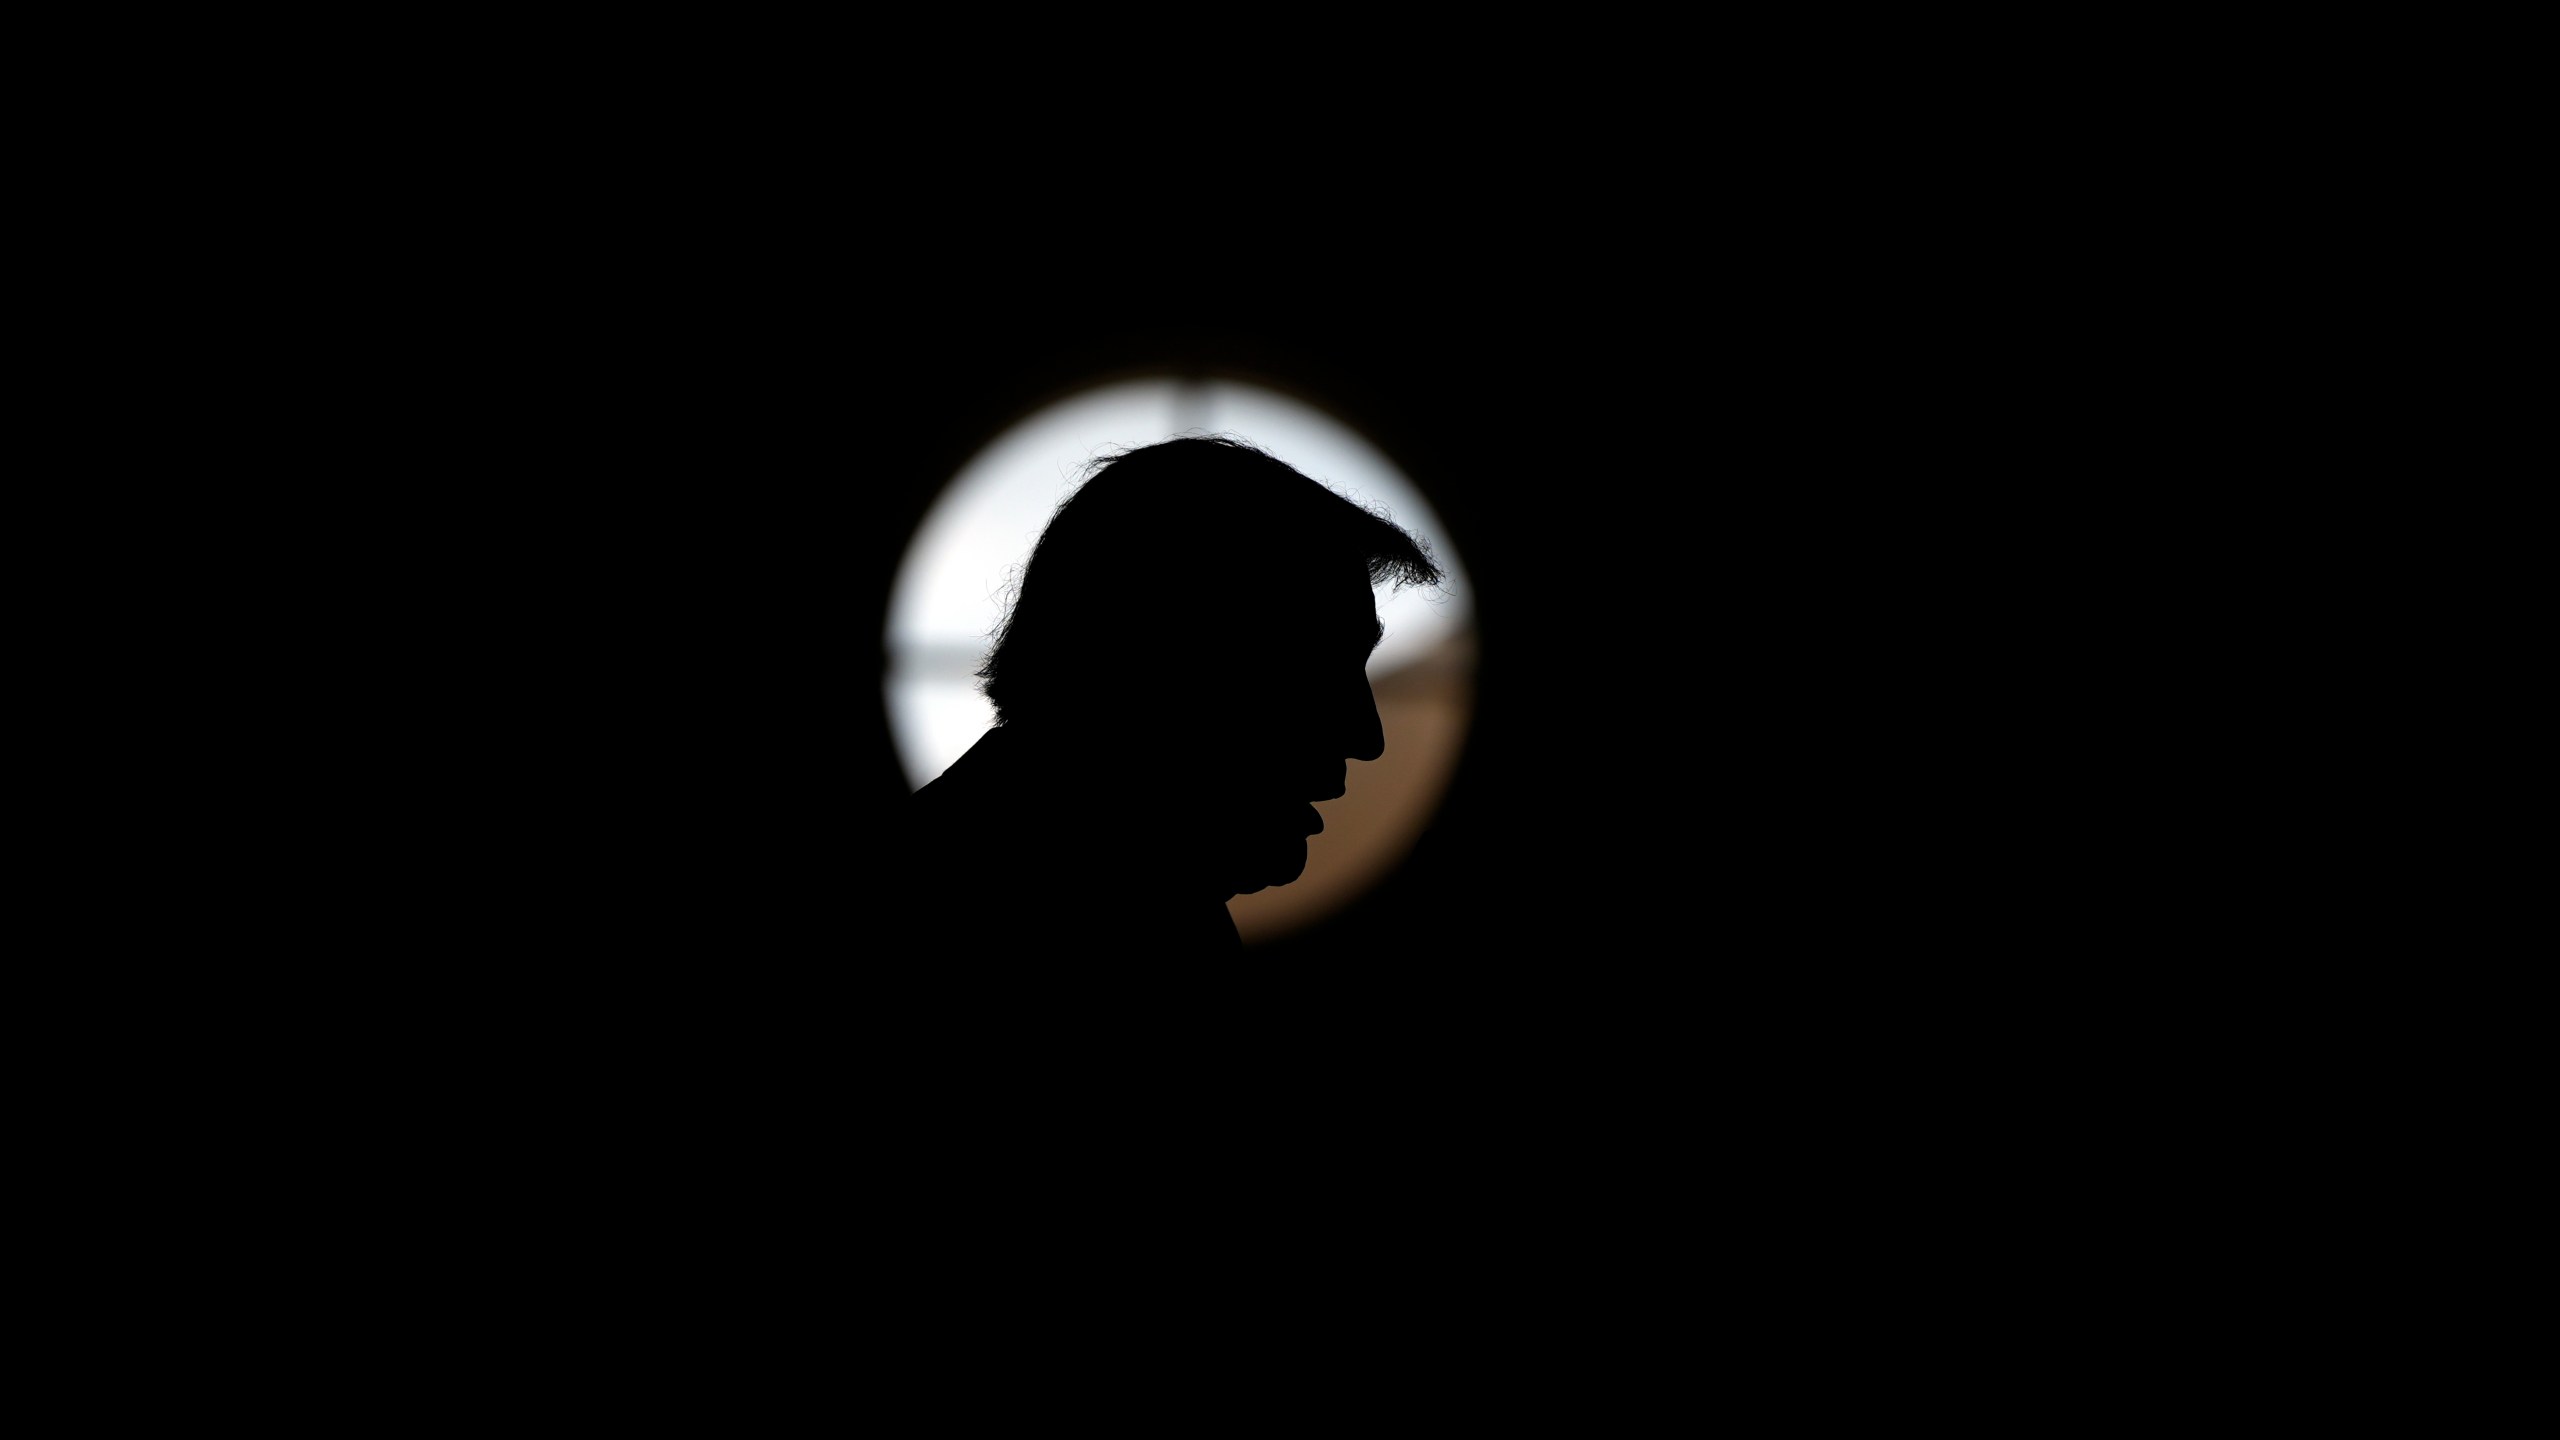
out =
column 952, row 587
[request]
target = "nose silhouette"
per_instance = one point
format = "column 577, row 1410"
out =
column 1366, row 738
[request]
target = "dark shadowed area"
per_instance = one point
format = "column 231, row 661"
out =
column 1767, row 848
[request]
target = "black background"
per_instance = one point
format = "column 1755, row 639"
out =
column 1777, row 571
column 1802, row 720
column 1807, row 830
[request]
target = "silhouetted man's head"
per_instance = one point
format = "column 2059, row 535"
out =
column 1200, row 613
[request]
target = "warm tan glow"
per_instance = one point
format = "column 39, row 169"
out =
column 1423, row 707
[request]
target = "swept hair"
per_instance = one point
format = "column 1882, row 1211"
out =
column 1230, row 524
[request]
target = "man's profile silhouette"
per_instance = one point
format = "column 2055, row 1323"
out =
column 1182, row 672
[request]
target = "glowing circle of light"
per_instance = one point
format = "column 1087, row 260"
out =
column 953, row 583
